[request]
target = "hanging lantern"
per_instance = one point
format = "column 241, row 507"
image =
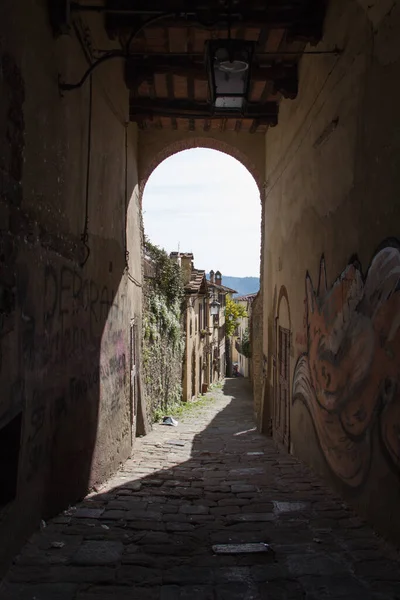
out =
column 214, row 308
column 228, row 65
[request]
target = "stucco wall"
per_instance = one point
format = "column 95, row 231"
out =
column 333, row 183
column 64, row 329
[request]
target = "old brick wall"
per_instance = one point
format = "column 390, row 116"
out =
column 64, row 325
column 331, row 252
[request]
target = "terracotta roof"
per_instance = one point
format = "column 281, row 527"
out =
column 197, row 283
column 248, row 297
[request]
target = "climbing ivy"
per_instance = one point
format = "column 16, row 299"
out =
column 168, row 276
column 163, row 337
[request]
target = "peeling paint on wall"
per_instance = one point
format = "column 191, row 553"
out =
column 349, row 379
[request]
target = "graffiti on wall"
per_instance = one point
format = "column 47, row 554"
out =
column 349, row 378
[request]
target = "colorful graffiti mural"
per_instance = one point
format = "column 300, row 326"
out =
column 349, row 379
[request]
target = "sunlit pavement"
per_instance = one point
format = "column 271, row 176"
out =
column 149, row 532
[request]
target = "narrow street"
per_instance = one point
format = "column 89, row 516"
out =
column 148, row 533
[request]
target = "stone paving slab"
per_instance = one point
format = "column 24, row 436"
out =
column 148, row 533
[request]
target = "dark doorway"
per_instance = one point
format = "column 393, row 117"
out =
column 10, row 440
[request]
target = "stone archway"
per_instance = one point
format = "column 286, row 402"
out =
column 155, row 147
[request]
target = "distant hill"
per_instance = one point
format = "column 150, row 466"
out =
column 243, row 285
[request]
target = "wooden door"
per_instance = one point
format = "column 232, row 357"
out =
column 282, row 391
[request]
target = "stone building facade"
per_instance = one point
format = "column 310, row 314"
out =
column 195, row 324
column 204, row 358
column 218, row 359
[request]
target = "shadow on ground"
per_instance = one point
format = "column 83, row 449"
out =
column 212, row 480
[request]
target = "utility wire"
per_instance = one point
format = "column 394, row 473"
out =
column 85, row 233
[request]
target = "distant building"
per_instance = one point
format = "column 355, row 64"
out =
column 204, row 358
column 194, row 324
column 217, row 293
column 240, row 343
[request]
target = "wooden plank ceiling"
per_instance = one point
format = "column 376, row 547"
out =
column 166, row 70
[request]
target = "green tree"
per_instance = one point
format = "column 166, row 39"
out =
column 233, row 312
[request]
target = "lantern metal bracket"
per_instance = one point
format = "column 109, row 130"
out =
column 67, row 87
column 123, row 53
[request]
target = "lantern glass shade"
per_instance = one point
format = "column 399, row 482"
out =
column 214, row 307
column 229, row 73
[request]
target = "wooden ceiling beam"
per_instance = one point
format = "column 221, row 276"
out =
column 302, row 19
column 200, row 5
column 143, row 108
column 298, row 27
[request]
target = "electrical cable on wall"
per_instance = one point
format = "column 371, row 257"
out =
column 123, row 53
column 85, row 233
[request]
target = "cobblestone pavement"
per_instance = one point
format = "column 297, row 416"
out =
column 148, row 533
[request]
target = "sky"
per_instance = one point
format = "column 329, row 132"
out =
column 206, row 202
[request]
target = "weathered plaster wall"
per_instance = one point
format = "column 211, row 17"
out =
column 333, row 184
column 64, row 328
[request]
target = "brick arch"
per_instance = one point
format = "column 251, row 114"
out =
column 198, row 142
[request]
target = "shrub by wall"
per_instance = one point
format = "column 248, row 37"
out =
column 163, row 337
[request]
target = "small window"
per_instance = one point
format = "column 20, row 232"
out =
column 10, row 439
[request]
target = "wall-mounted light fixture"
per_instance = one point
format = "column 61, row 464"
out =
column 215, row 307
column 228, row 66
